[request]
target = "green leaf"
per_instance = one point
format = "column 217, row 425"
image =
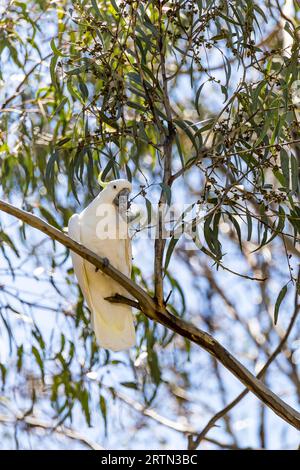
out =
column 103, row 409
column 14, row 53
column 20, row 351
column 55, row 50
column 39, row 360
column 225, row 92
column 5, row 238
column 237, row 229
column 142, row 132
column 84, row 400
column 137, row 106
column 73, row 91
column 83, row 89
column 249, row 225
column 264, row 131
column 171, row 246
column 294, row 173
column 3, row 371
column 60, row 106
column 197, row 98
column 129, row 385
column 180, row 153
column 63, row 141
column 280, row 225
column 211, row 238
column 128, row 173
column 50, row 172
column 279, row 300
column 53, row 76
column 49, row 217
column 285, row 167
column 96, row 8
column 135, row 78
column 186, row 129
column 149, row 210
column 153, row 360
column 115, row 6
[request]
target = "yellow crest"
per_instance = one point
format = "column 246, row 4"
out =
column 102, row 183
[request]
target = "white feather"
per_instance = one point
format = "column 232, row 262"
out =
column 112, row 323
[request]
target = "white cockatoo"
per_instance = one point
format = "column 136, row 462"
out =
column 102, row 227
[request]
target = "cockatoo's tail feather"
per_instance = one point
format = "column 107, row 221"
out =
column 96, row 229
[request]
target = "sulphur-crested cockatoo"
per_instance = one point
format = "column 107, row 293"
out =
column 102, row 227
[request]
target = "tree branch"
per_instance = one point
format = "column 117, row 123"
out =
column 193, row 444
column 160, row 241
column 34, row 422
column 163, row 316
column 174, row 425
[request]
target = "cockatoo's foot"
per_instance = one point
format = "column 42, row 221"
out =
column 105, row 263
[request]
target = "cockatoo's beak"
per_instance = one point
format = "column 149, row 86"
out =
column 121, row 200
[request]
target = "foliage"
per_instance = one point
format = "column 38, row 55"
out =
column 122, row 87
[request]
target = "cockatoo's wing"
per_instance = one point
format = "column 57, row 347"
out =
column 74, row 232
column 112, row 323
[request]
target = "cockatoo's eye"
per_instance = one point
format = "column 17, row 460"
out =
column 115, row 187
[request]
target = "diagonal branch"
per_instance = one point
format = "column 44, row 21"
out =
column 174, row 425
column 160, row 314
column 194, row 443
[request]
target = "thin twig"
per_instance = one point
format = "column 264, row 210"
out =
column 34, row 422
